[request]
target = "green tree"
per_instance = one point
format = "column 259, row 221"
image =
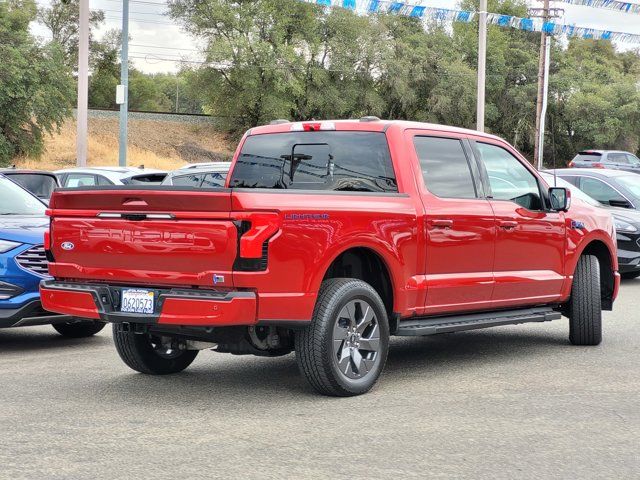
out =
column 35, row 84
column 61, row 18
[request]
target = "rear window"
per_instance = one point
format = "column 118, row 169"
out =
column 337, row 161
column 148, row 179
column 40, row 185
column 588, row 157
column 193, row 180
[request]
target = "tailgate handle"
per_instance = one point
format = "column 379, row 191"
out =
column 134, row 202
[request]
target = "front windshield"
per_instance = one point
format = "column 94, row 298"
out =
column 575, row 191
column 14, row 200
column 632, row 182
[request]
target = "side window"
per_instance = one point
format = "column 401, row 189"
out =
column 599, row 190
column 214, row 180
column 617, row 158
column 103, row 181
column 445, row 167
column 632, row 159
column 192, row 180
column 81, row 180
column 573, row 180
column 509, row 179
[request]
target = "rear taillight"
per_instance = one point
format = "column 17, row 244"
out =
column 254, row 232
column 571, row 164
column 598, row 165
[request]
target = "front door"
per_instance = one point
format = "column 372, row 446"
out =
column 460, row 227
column 530, row 240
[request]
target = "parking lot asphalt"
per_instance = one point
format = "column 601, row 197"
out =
column 508, row 402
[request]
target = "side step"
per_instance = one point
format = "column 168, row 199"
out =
column 459, row 323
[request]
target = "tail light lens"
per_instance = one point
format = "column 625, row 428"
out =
column 598, row 165
column 254, row 232
column 571, row 164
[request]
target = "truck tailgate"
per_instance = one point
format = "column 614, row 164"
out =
column 165, row 236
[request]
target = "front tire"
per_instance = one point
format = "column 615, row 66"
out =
column 144, row 353
column 79, row 328
column 585, row 310
column 344, row 349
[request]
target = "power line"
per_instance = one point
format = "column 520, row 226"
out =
column 165, row 48
column 141, row 2
column 141, row 20
column 138, row 13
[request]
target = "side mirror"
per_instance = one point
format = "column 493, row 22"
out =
column 560, row 199
column 620, row 202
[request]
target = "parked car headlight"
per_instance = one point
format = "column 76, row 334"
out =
column 624, row 227
column 6, row 245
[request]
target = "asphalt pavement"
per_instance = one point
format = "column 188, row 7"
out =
column 503, row 403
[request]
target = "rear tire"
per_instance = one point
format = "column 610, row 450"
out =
column 142, row 354
column 79, row 329
column 344, row 349
column 585, row 310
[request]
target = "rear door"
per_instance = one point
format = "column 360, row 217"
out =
column 530, row 239
column 459, row 222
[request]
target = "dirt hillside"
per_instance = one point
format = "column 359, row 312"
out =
column 152, row 143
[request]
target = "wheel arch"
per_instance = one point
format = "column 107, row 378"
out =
column 369, row 265
column 606, row 260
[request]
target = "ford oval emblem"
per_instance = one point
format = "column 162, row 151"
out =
column 67, row 246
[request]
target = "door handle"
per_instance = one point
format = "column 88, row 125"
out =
column 442, row 223
column 508, row 224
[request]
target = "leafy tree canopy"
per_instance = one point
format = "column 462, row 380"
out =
column 35, row 85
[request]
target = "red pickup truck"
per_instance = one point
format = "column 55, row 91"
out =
column 328, row 238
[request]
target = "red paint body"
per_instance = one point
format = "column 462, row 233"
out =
column 442, row 255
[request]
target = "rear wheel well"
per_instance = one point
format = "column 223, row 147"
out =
column 366, row 265
column 607, row 281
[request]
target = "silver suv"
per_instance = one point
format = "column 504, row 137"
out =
column 615, row 159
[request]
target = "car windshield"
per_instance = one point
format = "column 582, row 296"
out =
column 14, row 200
column 39, row 184
column 632, row 183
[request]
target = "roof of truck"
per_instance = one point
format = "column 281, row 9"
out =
column 365, row 124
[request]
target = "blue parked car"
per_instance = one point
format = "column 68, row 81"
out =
column 23, row 263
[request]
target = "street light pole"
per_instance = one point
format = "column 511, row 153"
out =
column 83, row 85
column 482, row 64
column 124, row 81
column 545, row 100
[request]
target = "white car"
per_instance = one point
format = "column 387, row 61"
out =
column 199, row 175
column 104, row 176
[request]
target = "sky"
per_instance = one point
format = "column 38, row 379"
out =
column 159, row 45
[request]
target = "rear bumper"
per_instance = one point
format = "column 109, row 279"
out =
column 29, row 314
column 204, row 308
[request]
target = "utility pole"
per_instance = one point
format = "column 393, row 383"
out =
column 83, row 85
column 543, row 81
column 482, row 64
column 124, row 81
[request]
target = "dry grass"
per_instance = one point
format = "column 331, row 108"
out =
column 154, row 144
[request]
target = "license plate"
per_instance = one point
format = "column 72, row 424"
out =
column 137, row 301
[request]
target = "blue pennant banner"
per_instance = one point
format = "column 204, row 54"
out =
column 418, row 10
column 626, row 7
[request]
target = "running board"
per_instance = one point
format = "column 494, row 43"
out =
column 460, row 323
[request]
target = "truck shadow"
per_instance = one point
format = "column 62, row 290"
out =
column 34, row 339
column 252, row 379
